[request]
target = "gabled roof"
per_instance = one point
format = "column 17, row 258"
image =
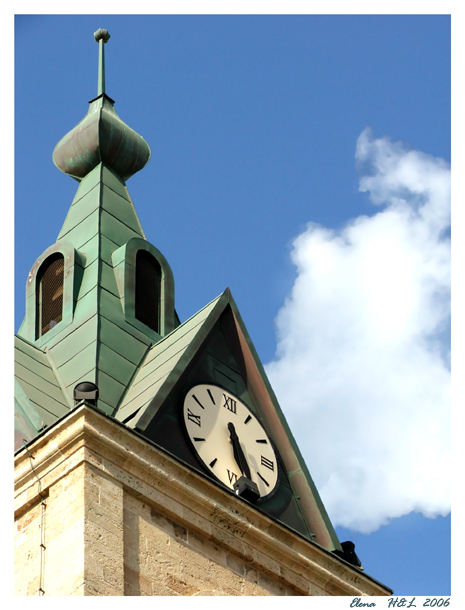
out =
column 161, row 366
column 166, row 362
column 40, row 398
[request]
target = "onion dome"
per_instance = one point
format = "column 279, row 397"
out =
column 101, row 136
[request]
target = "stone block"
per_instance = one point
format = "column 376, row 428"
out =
column 131, row 589
column 300, row 584
column 92, row 568
column 33, row 586
column 104, row 517
column 264, row 562
column 23, row 522
column 74, row 476
column 178, row 586
column 235, row 564
column 74, row 514
column 101, row 588
column 272, row 585
column 91, row 490
column 207, row 548
column 26, row 555
column 138, row 583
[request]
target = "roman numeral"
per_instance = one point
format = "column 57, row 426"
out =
column 194, row 418
column 264, row 480
column 211, row 397
column 266, row 462
column 197, row 401
column 229, row 403
column 232, row 476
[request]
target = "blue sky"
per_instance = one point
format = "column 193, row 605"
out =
column 303, row 161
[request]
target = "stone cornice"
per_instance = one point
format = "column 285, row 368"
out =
column 184, row 496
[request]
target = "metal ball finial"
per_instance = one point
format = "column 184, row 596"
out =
column 101, row 35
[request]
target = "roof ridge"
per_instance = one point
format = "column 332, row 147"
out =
column 169, row 335
column 17, row 336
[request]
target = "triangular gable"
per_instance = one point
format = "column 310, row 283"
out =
column 162, row 365
column 305, row 491
column 168, row 361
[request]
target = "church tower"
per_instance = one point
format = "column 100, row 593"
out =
column 151, row 456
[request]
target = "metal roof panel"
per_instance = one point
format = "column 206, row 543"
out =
column 119, row 340
column 160, row 361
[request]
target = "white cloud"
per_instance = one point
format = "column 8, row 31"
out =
column 361, row 368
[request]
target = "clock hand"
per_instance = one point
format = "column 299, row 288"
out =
column 238, row 453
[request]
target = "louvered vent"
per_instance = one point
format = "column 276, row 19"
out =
column 148, row 282
column 51, row 294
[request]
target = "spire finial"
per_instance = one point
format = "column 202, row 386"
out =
column 101, row 36
column 101, row 136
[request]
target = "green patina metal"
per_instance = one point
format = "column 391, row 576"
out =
column 38, row 390
column 141, row 374
column 101, row 152
column 102, row 37
column 101, row 136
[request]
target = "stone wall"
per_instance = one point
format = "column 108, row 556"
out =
column 162, row 557
column 119, row 517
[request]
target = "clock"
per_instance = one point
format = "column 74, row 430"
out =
column 230, row 442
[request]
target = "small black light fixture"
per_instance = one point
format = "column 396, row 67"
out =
column 247, row 489
column 86, row 392
column 348, row 553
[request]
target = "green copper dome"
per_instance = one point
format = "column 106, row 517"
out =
column 101, row 137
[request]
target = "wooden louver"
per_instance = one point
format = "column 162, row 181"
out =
column 51, row 294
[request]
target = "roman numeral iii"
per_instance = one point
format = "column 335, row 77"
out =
column 266, row 462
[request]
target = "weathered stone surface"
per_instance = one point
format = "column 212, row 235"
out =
column 120, row 517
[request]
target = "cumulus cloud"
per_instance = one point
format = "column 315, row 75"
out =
column 362, row 362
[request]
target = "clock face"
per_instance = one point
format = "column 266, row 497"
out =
column 229, row 439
